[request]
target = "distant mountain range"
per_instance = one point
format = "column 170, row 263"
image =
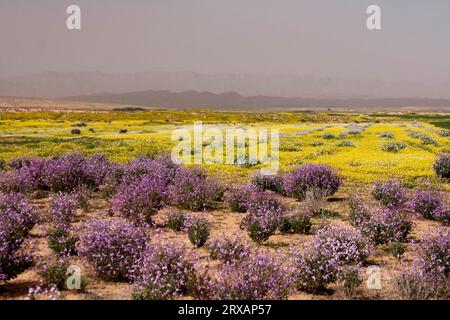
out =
column 190, row 89
column 233, row 100
column 63, row 84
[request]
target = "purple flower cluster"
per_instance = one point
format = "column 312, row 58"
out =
column 25, row 176
column 359, row 211
column 112, row 247
column 268, row 182
column 73, row 170
column 387, row 225
column 61, row 214
column 191, row 190
column 430, row 204
column 332, row 249
column 259, row 277
column 165, row 272
column 320, row 179
column 390, row 193
column 63, row 207
column 139, row 200
column 161, row 168
column 228, row 249
column 17, row 218
column 237, row 198
column 434, row 254
column 263, row 216
column 442, row 165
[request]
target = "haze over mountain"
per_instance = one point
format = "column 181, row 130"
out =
column 63, row 84
column 233, row 100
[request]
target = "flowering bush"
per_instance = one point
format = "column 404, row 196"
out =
column 176, row 220
column 390, row 193
column 228, row 249
column 387, row 225
column 318, row 178
column 237, row 198
column 198, row 229
column 190, row 190
column 164, row 273
column 112, row 247
column 61, row 214
column 62, row 209
column 394, row 146
column 442, row 165
column 161, row 168
column 17, row 218
column 263, row 216
column 414, row 285
column 427, row 203
column 140, row 200
column 332, row 249
column 296, row 222
column 359, row 212
column 268, row 182
column 73, row 170
column 55, row 273
column 260, row 277
column 434, row 254
column 25, row 176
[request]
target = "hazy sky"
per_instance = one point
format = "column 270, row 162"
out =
column 301, row 37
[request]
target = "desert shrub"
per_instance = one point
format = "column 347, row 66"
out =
column 2, row 164
column 318, row 178
column 387, row 225
column 333, row 248
column 390, row 193
column 62, row 240
column 268, row 182
column 112, row 247
column 25, row 176
column 162, row 168
column 414, row 285
column 237, row 198
column 190, row 190
column 62, row 208
column 296, row 222
column 176, row 220
column 68, row 172
column 444, row 133
column 427, row 140
column 442, row 214
column 164, row 273
column 263, row 216
column 316, row 143
column 427, row 203
column 387, row 135
column 442, row 165
column 198, row 229
column 259, row 277
column 434, row 254
column 359, row 211
column 350, row 279
column 140, row 200
column 228, row 249
column 55, row 273
column 61, row 214
column 394, row 146
column 397, row 249
column 345, row 143
column 328, row 136
column 17, row 218
column 217, row 190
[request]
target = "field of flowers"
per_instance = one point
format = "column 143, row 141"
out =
column 92, row 207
